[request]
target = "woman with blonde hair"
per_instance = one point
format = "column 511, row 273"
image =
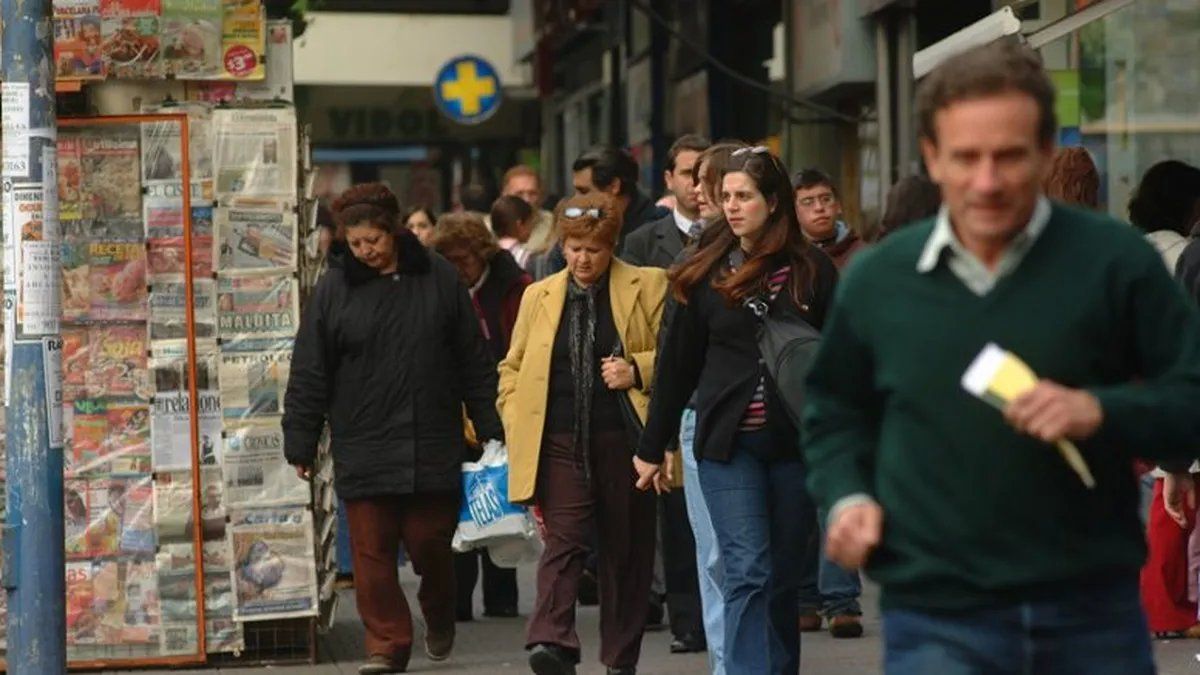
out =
column 574, row 390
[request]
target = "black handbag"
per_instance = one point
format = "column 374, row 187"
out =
column 633, row 424
column 788, row 345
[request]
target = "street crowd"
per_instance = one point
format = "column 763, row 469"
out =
column 619, row 348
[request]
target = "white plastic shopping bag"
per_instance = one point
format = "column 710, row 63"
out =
column 487, row 519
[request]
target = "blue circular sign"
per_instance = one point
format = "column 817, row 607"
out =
column 467, row 90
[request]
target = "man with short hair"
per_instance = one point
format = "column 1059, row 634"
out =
column 605, row 168
column 992, row 554
column 661, row 243
column 819, row 209
column 523, row 181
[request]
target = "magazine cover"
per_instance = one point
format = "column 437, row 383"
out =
column 132, row 32
column 168, row 308
column 176, row 568
column 201, row 142
column 86, row 452
column 76, row 289
column 256, row 472
column 78, row 46
column 171, row 429
column 251, row 239
column 106, row 514
column 128, row 436
column 75, row 517
column 162, row 151
column 142, row 612
column 253, row 382
column 70, row 175
column 117, row 362
column 112, row 188
column 191, row 39
column 137, row 518
column 257, row 306
column 243, row 42
column 223, row 636
column 75, row 362
column 117, row 276
column 173, row 505
column 256, row 153
column 274, row 575
column 81, row 621
column 178, row 638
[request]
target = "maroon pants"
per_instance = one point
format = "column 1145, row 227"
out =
column 1164, row 579
column 622, row 520
column 425, row 523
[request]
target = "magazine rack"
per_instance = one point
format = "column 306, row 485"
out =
column 189, row 539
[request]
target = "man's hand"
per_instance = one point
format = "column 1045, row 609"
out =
column 854, row 533
column 304, row 471
column 617, row 373
column 1179, row 497
column 648, row 475
column 1051, row 412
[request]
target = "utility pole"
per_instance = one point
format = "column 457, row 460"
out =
column 33, row 532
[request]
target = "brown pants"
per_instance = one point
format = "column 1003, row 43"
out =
column 425, row 523
column 623, row 518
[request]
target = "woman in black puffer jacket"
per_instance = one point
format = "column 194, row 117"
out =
column 389, row 351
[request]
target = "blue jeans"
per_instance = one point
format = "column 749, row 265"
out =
column 1097, row 631
column 827, row 588
column 708, row 556
column 762, row 517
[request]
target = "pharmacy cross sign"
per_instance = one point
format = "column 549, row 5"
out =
column 467, row 90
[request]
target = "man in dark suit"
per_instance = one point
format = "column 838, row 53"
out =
column 660, row 243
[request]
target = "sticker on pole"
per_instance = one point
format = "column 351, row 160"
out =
column 35, row 260
column 52, row 348
column 14, row 101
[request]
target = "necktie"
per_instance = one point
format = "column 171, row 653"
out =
column 694, row 231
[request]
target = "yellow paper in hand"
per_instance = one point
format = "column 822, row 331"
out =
column 999, row 377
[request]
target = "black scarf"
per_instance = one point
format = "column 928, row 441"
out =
column 581, row 333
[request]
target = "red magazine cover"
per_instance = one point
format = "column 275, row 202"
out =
column 78, row 42
column 116, row 281
column 132, row 32
column 81, row 620
column 117, row 361
column 76, row 344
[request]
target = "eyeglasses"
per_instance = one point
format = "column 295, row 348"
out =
column 758, row 150
column 577, row 212
column 826, row 199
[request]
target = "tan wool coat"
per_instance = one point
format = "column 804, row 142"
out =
column 637, row 295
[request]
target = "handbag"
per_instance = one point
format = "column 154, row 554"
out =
column 788, row 346
column 634, row 427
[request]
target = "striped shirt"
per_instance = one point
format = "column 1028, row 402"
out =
column 755, row 416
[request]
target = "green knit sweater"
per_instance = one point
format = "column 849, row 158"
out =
column 976, row 514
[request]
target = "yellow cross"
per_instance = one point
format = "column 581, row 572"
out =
column 468, row 88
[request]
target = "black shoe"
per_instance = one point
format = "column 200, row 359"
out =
column 551, row 660
column 589, row 590
column 439, row 645
column 689, row 644
column 628, row 670
column 501, row 612
column 462, row 616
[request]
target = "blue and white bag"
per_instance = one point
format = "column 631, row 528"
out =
column 488, row 519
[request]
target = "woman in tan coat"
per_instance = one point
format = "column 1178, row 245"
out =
column 574, row 391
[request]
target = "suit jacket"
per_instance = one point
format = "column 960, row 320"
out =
column 655, row 244
column 637, row 296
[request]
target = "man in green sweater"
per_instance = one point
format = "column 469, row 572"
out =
column 992, row 555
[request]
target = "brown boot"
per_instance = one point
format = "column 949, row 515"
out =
column 379, row 664
column 439, row 645
column 810, row 623
column 845, row 626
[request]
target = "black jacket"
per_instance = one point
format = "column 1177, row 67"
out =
column 390, row 361
column 656, row 244
column 711, row 349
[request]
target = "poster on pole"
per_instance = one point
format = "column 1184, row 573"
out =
column 274, row 575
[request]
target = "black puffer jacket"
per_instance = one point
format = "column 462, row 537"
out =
column 390, row 361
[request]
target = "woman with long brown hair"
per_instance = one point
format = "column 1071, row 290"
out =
column 746, row 445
